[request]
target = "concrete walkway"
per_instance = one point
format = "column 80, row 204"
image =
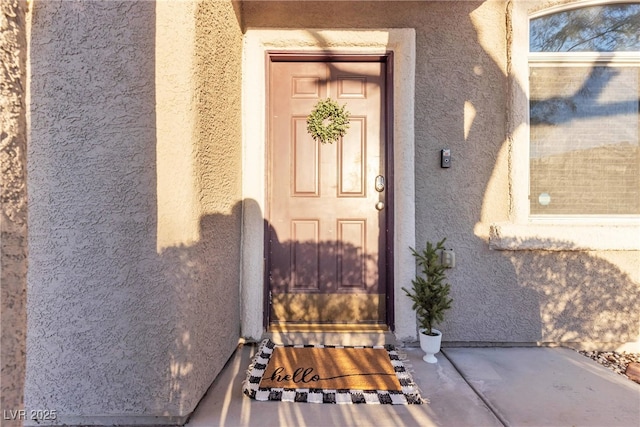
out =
column 467, row 387
column 548, row 387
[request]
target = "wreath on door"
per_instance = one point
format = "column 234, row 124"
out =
column 328, row 121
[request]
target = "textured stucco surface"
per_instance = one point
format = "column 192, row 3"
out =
column 466, row 93
column 135, row 196
column 13, row 202
column 134, row 167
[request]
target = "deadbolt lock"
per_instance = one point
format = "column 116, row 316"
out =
column 379, row 183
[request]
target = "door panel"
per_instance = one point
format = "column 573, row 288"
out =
column 326, row 240
column 352, row 160
column 306, row 167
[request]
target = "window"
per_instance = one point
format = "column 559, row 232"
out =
column 584, row 105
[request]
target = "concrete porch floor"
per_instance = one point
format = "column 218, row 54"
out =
column 467, row 387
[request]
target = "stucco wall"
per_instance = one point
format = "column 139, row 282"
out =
column 135, row 196
column 134, row 178
column 13, row 214
column 465, row 95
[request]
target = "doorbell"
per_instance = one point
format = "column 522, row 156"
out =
column 445, row 158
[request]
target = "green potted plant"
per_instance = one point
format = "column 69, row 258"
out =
column 430, row 296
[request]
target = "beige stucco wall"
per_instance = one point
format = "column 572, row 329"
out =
column 135, row 195
column 13, row 202
column 135, row 172
column 469, row 99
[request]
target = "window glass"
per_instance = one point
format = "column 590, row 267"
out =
column 592, row 29
column 585, row 154
column 585, row 118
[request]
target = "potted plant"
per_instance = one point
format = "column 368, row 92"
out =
column 430, row 296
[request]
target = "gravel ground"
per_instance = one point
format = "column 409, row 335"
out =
column 615, row 361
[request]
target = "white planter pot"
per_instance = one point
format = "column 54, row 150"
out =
column 430, row 345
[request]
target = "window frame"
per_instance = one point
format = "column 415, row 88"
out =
column 524, row 231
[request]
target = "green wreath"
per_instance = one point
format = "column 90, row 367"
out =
column 328, row 121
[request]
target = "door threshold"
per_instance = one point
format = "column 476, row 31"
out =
column 320, row 327
column 349, row 335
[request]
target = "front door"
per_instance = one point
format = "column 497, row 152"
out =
column 327, row 203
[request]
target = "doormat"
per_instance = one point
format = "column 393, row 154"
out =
column 330, row 374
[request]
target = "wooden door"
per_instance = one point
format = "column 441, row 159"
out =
column 326, row 233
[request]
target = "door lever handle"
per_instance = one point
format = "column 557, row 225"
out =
column 379, row 183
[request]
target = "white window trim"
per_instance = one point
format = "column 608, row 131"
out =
column 524, row 231
column 612, row 59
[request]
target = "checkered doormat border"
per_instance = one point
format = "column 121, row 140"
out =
column 410, row 393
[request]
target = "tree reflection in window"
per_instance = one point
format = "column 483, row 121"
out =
column 607, row 28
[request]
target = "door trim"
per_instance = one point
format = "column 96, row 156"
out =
column 258, row 42
column 388, row 227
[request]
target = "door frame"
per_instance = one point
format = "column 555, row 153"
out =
column 257, row 42
column 387, row 228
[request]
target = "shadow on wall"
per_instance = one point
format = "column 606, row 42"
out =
column 547, row 297
column 582, row 297
column 204, row 279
